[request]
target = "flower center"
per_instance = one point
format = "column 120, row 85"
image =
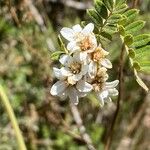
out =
column 99, row 80
column 86, row 44
column 75, row 67
column 99, row 54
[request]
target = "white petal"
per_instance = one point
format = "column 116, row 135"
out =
column 57, row 73
column 58, row 87
column 67, row 33
column 73, row 95
column 104, row 94
column 88, row 28
column 83, row 86
column 101, row 99
column 110, row 85
column 65, row 71
column 77, row 28
column 77, row 77
column 106, row 63
column 84, row 69
column 92, row 69
column 80, row 56
column 66, row 60
column 63, row 95
column 72, row 46
column 113, row 92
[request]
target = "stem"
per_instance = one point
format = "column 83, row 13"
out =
column 135, row 3
column 12, row 118
column 121, row 62
column 81, row 127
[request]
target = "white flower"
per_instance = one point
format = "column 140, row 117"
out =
column 75, row 67
column 108, row 90
column 102, row 89
column 70, row 82
column 63, row 89
column 98, row 59
column 80, row 39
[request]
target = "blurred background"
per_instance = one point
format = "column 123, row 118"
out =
column 28, row 35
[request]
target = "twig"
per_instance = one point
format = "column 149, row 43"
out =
column 121, row 62
column 73, row 4
column 40, row 22
column 135, row 3
column 81, row 127
column 12, row 118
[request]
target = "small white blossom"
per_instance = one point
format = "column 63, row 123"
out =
column 80, row 39
column 107, row 92
column 64, row 89
column 98, row 59
column 103, row 90
column 75, row 67
column 70, row 82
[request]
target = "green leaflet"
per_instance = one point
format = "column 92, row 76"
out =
column 132, row 53
column 141, row 40
column 95, row 17
column 145, row 69
column 119, row 2
column 130, row 14
column 121, row 30
column 101, row 9
column 139, row 51
column 134, row 27
column 114, row 19
column 120, row 9
column 128, row 39
column 55, row 55
column 109, row 4
column 62, row 45
column 110, row 29
column 106, row 36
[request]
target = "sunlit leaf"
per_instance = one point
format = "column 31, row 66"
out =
column 141, row 40
column 134, row 27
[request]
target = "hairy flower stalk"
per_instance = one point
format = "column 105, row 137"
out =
column 83, row 68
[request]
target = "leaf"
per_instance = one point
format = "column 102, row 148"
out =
column 62, row 45
column 101, row 9
column 55, row 55
column 141, row 40
column 121, row 30
column 114, row 18
column 136, row 65
column 120, row 9
column 120, row 2
column 95, row 17
column 134, row 27
column 128, row 39
column 131, row 14
column 122, row 20
column 132, row 53
column 106, row 35
column 142, row 54
column 140, row 82
column 110, row 29
column 142, row 50
column 109, row 4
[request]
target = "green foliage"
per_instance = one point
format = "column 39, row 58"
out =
column 106, row 16
column 111, row 17
column 137, row 45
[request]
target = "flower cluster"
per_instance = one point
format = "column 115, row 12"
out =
column 84, row 67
